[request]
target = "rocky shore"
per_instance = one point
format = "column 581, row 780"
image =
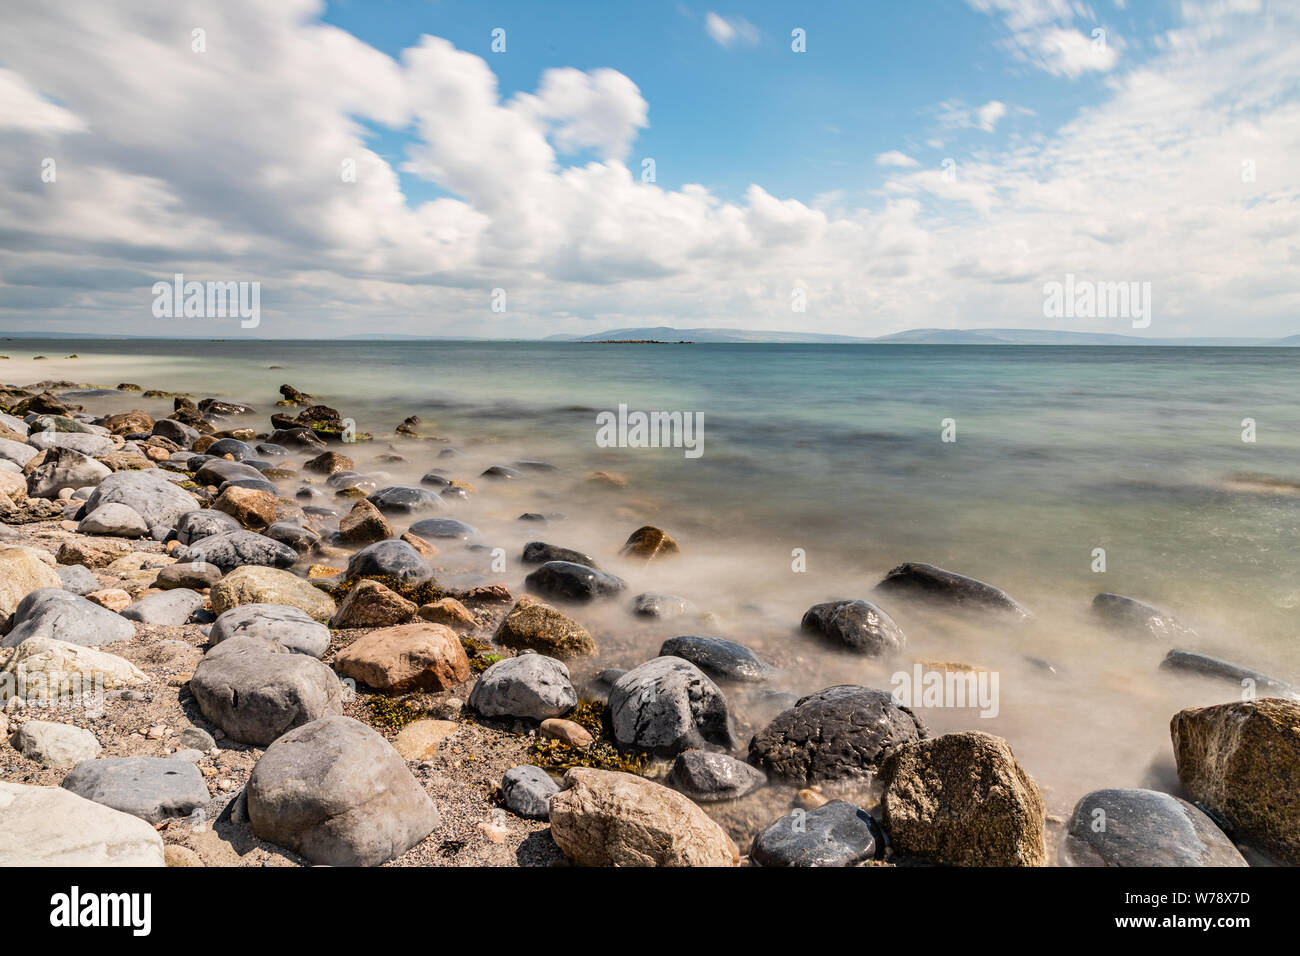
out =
column 226, row 640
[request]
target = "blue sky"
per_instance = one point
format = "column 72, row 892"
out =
column 376, row 167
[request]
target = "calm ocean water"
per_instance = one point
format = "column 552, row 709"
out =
column 837, row 450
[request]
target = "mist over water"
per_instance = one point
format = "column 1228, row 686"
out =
column 837, row 450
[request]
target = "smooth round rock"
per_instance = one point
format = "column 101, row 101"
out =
column 835, row 834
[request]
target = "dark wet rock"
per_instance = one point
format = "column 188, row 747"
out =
column 195, row 575
column 935, row 585
column 962, row 800
column 649, row 542
column 290, row 627
column 539, row 552
column 532, row 516
column 668, row 705
column 1144, row 828
column 230, row 446
column 404, row 499
column 315, row 511
column 502, row 471
column 527, row 790
column 218, row 406
column 453, row 493
column 842, row 731
column 77, row 579
column 233, row 549
column 531, row 686
column 573, row 582
column 302, row 438
column 271, row 449
column 255, row 690
column 167, row 609
column 218, row 471
column 203, row 522
column 337, row 793
column 151, row 788
column 184, row 435
column 435, row 480
column 63, row 616
column 390, row 558
column 350, row 479
column 708, row 777
column 449, row 528
column 253, row 484
column 857, row 625
column 540, row 627
column 835, row 834
column 662, row 606
column 1138, row 619
column 1206, row 666
column 294, row 535
column 718, row 657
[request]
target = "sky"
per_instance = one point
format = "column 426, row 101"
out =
column 523, row 169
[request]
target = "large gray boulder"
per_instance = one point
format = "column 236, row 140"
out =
column 255, row 690
column 337, row 793
column 65, row 468
column 1144, row 828
column 529, row 685
column 77, row 579
column 167, row 608
column 708, row 777
column 88, row 445
column 151, row 788
column 203, row 522
column 859, row 626
column 115, row 519
column 20, row 453
column 287, row 626
column 836, row 834
column 842, row 731
column 50, row 826
column 527, row 790
column 390, row 558
column 668, row 705
column 235, row 549
column 925, row 582
column 59, row 614
column 160, row 502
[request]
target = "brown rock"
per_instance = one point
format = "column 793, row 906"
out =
column 426, row 549
column 1242, row 760
column 532, row 624
column 450, row 612
column 364, row 524
column 254, row 509
column 486, row 594
column 420, row 740
column 92, row 552
column 115, row 599
column 370, row 604
column 328, row 462
column 607, row 818
column 410, row 657
column 962, row 800
column 574, row 734
column 134, row 421
column 322, row 571
column 649, row 542
column 154, row 453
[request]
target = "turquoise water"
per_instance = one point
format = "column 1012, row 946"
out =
column 837, row 450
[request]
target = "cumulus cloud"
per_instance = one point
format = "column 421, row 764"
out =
column 252, row 161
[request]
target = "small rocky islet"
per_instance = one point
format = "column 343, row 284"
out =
column 279, row 635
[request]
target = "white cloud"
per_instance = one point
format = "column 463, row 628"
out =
column 729, row 30
column 895, row 158
column 231, row 170
column 987, row 116
column 1047, row 35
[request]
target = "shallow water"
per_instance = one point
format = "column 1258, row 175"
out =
column 837, row 450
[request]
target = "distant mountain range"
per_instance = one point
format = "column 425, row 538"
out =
column 665, row 333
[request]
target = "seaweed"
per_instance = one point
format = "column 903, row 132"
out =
column 602, row 754
column 394, row 714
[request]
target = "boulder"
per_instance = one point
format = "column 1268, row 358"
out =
column 86, row 446
column 41, row 668
column 1242, row 762
column 539, row 552
column 118, row 520
column 540, row 627
column 395, row 559
column 191, row 574
column 925, row 582
column 421, row 739
column 255, row 690
column 450, row 612
column 170, row 608
column 401, row 659
column 235, row 549
column 859, row 626
column 837, row 733
column 151, row 788
column 668, row 705
column 834, row 834
column 1144, row 828
column 55, row 745
column 573, row 582
column 1136, row 619
column 65, row 468
column 718, row 657
column 364, row 524
column 49, row 826
column 92, row 552
column 337, row 793
column 77, row 579
column 22, row 572
column 253, row 509
column 962, row 800
column 1191, row 662
column 649, row 542
column 530, row 686
column 404, row 500
column 160, row 502
column 203, row 522
column 527, row 790
column 290, row 627
column 270, row 586
column 608, row 818
column 63, row 616
column 708, row 777
column 370, row 604
column 662, row 606
column 20, row 453
column 447, row 528
column 328, row 462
